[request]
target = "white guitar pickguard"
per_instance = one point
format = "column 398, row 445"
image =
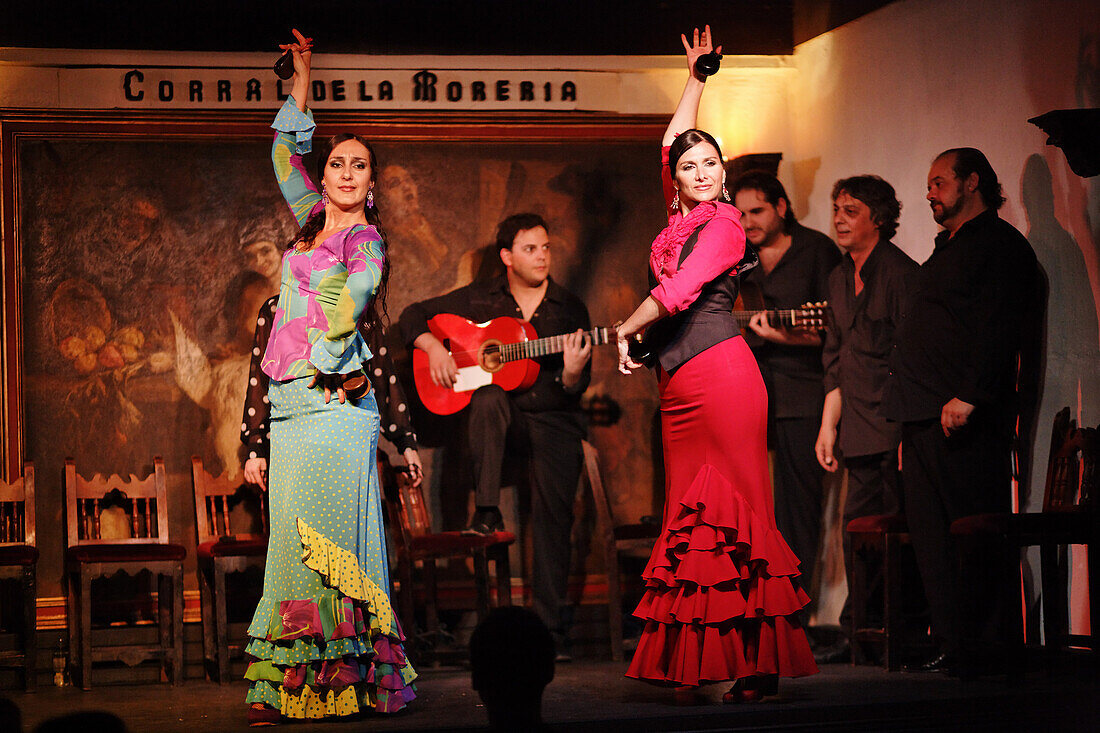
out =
column 472, row 377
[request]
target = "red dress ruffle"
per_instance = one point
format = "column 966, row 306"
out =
column 721, row 601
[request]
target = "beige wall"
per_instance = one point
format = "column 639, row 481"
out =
column 886, row 93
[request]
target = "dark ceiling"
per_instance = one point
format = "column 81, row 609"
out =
column 538, row 27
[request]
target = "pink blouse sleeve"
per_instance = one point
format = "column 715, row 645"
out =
column 666, row 179
column 720, row 246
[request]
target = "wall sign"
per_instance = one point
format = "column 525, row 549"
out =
column 441, row 89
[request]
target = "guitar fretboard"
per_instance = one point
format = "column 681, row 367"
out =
column 549, row 345
column 790, row 318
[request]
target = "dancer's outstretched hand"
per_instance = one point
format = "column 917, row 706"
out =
column 701, row 43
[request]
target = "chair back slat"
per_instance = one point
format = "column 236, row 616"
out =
column 17, row 509
column 1062, row 468
column 144, row 505
column 414, row 510
column 223, row 505
column 1090, row 466
column 215, row 498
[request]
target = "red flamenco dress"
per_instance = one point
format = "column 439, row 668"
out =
column 721, row 602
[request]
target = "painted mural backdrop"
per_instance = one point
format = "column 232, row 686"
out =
column 145, row 263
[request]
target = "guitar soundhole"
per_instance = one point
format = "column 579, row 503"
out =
column 489, row 356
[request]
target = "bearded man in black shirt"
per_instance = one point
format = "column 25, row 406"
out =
column 953, row 375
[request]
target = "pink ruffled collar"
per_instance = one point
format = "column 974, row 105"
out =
column 671, row 240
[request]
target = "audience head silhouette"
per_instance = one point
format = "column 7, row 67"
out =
column 512, row 661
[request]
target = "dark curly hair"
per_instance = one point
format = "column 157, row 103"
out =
column 972, row 160
column 376, row 314
column 879, row 197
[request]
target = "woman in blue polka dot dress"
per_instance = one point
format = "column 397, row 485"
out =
column 325, row 641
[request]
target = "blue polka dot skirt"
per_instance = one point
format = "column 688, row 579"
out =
column 325, row 641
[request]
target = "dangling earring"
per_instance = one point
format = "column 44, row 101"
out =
column 324, row 195
column 370, row 198
column 675, row 202
column 725, row 193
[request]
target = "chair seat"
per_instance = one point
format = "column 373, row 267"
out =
column 637, row 531
column 1033, row 525
column 455, row 543
column 125, row 553
column 18, row 555
column 878, row 524
column 230, row 547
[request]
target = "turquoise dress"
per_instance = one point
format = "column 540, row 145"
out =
column 324, row 639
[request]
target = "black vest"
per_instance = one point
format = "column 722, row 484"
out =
column 704, row 323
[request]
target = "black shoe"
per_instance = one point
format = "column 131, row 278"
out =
column 485, row 522
column 838, row 653
column 945, row 662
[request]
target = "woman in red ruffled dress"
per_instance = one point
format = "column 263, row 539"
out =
column 721, row 599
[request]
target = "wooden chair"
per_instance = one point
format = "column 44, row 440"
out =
column 615, row 539
column 1069, row 517
column 886, row 536
column 18, row 561
column 89, row 556
column 410, row 524
column 222, row 550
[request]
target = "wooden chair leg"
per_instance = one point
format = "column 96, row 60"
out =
column 85, row 622
column 177, row 626
column 481, row 579
column 407, row 600
column 504, row 575
column 855, row 617
column 891, row 598
column 431, row 590
column 614, row 600
column 72, row 590
column 164, row 624
column 30, row 629
column 1054, row 611
column 221, row 623
column 206, row 601
column 1094, row 590
column 857, row 591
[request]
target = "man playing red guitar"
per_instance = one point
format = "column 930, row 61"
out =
column 543, row 424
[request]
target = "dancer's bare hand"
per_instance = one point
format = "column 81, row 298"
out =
column 255, row 472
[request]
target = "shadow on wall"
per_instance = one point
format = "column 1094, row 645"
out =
column 1070, row 367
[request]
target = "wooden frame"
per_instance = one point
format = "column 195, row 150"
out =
column 17, row 126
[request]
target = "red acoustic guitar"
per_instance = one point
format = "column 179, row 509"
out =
column 499, row 352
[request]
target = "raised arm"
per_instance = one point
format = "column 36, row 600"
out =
column 687, row 111
column 294, row 137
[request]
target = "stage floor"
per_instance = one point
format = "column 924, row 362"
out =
column 594, row 696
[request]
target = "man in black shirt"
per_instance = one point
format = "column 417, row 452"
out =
column 543, row 423
column 794, row 268
column 953, row 374
column 867, row 294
